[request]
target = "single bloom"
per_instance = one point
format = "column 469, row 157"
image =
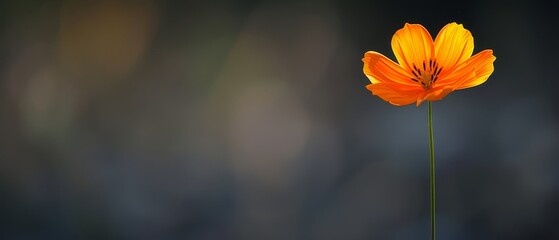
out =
column 427, row 70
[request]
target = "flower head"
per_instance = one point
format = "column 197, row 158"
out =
column 426, row 69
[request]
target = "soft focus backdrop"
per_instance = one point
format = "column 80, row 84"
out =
column 250, row 120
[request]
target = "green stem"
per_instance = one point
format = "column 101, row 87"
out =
column 432, row 170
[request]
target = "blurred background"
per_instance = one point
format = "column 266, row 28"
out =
column 250, row 120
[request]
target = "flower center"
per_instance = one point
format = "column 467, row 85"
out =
column 426, row 74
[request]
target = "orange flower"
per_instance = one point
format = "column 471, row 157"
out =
column 427, row 70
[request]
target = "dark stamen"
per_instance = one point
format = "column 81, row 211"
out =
column 438, row 71
column 425, row 74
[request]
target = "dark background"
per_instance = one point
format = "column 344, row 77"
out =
column 250, row 120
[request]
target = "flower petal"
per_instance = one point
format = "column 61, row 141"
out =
column 470, row 73
column 394, row 96
column 412, row 45
column 435, row 95
column 482, row 63
column 379, row 68
column 453, row 45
